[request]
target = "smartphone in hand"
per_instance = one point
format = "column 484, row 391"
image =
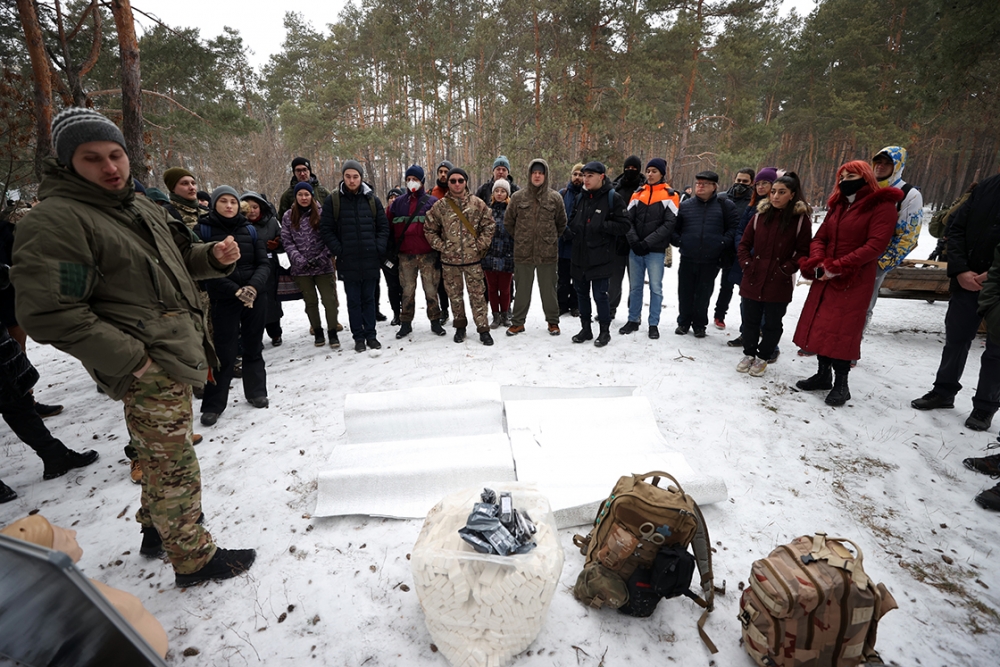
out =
column 819, row 272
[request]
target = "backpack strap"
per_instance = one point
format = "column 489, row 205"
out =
column 906, row 190
column 253, row 232
column 203, row 231
column 461, row 216
column 702, row 546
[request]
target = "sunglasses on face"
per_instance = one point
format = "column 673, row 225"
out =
column 456, row 180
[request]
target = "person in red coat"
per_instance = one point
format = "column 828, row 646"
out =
column 776, row 238
column 842, row 260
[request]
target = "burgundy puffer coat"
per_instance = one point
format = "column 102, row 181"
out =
column 769, row 254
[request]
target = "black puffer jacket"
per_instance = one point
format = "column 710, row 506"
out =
column 357, row 240
column 269, row 229
column 593, row 230
column 252, row 268
column 974, row 230
column 705, row 230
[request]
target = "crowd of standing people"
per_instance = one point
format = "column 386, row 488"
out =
column 165, row 302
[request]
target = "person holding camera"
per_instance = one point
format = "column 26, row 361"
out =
column 842, row 260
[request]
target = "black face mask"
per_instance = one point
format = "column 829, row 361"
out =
column 848, row 188
column 740, row 189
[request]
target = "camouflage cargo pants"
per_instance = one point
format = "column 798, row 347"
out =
column 206, row 307
column 430, row 276
column 159, row 416
column 473, row 273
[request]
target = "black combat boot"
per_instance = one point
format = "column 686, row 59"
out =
column 459, row 334
column 586, row 333
column 823, row 378
column 840, row 393
column 604, row 337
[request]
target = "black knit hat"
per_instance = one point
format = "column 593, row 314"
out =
column 634, row 162
column 301, row 161
column 75, row 126
column 459, row 171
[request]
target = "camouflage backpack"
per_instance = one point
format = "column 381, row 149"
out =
column 811, row 603
column 637, row 551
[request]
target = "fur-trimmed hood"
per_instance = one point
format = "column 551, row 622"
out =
column 801, row 208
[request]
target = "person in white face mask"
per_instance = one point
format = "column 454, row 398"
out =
column 406, row 225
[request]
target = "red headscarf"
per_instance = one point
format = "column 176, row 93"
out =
column 854, row 167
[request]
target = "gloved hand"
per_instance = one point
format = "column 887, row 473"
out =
column 640, row 248
column 247, row 295
column 312, row 263
column 274, row 244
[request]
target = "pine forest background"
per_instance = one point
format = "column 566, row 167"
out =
column 707, row 85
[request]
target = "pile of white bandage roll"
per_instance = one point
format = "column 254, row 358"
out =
column 482, row 610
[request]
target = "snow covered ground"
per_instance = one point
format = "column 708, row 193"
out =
column 339, row 591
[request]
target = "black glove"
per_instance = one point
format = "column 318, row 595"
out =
column 312, row 263
column 640, row 248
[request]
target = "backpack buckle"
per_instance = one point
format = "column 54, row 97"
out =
column 808, row 558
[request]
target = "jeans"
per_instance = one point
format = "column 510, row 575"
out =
column 600, row 289
column 361, row 307
column 695, row 282
column 760, row 317
column 651, row 264
column 960, row 326
column 879, row 279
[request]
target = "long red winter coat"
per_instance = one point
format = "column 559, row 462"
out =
column 848, row 244
column 769, row 254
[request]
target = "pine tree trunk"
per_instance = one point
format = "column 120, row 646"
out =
column 42, row 80
column 132, row 123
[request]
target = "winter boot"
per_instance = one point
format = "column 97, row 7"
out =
column 7, row 494
column 840, row 393
column 437, row 328
column 238, row 367
column 630, row 327
column 63, row 463
column 334, row 340
column 225, row 564
column 505, row 319
column 152, row 543
column 459, row 334
column 497, row 320
column 586, row 333
column 823, row 378
column 320, row 339
column 405, row 329
column 395, row 319
column 604, row 337
column 485, row 338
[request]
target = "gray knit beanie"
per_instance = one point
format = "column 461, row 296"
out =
column 75, row 126
column 355, row 165
column 223, row 190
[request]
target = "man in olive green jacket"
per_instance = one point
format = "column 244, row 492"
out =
column 536, row 218
column 108, row 278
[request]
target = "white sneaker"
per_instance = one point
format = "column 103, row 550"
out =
column 744, row 364
column 758, row 367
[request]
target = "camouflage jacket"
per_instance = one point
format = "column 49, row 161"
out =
column 186, row 211
column 448, row 235
column 110, row 280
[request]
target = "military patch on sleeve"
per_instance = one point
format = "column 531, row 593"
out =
column 73, row 280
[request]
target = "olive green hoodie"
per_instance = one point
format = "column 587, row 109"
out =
column 109, row 278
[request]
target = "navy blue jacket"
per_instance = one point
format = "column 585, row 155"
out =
column 705, row 230
column 569, row 194
column 357, row 240
column 594, row 230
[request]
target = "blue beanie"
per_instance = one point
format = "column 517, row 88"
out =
column 416, row 171
column 304, row 185
column 658, row 164
column 501, row 161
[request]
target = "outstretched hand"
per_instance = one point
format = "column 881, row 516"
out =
column 226, row 251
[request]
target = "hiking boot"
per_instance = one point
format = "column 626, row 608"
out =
column 604, row 337
column 46, row 411
column 394, row 322
column 822, row 380
column 340, row 327
column 259, row 401
column 136, row 472
column 359, row 345
column 699, row 332
column 757, row 368
column 515, row 329
column 209, row 418
column 437, row 328
column 574, row 312
column 405, row 329
column 988, row 465
column 7, row 494
column 460, row 334
column 736, row 342
column 334, row 341
column 196, row 438
column 932, row 401
column 485, row 338
column 276, row 341
column 497, row 320
column 374, row 344
column 630, row 327
column 682, row 330
column 654, row 331
column 554, row 330
column 225, row 564
column 152, row 543
column 586, row 333
column 840, row 393
column 320, row 340
column 745, row 363
column 379, row 317
column 774, row 356
column 979, row 420
column 719, row 323
column 505, row 319
column 990, row 499
column 68, row 460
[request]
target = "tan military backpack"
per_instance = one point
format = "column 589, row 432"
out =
column 811, row 603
